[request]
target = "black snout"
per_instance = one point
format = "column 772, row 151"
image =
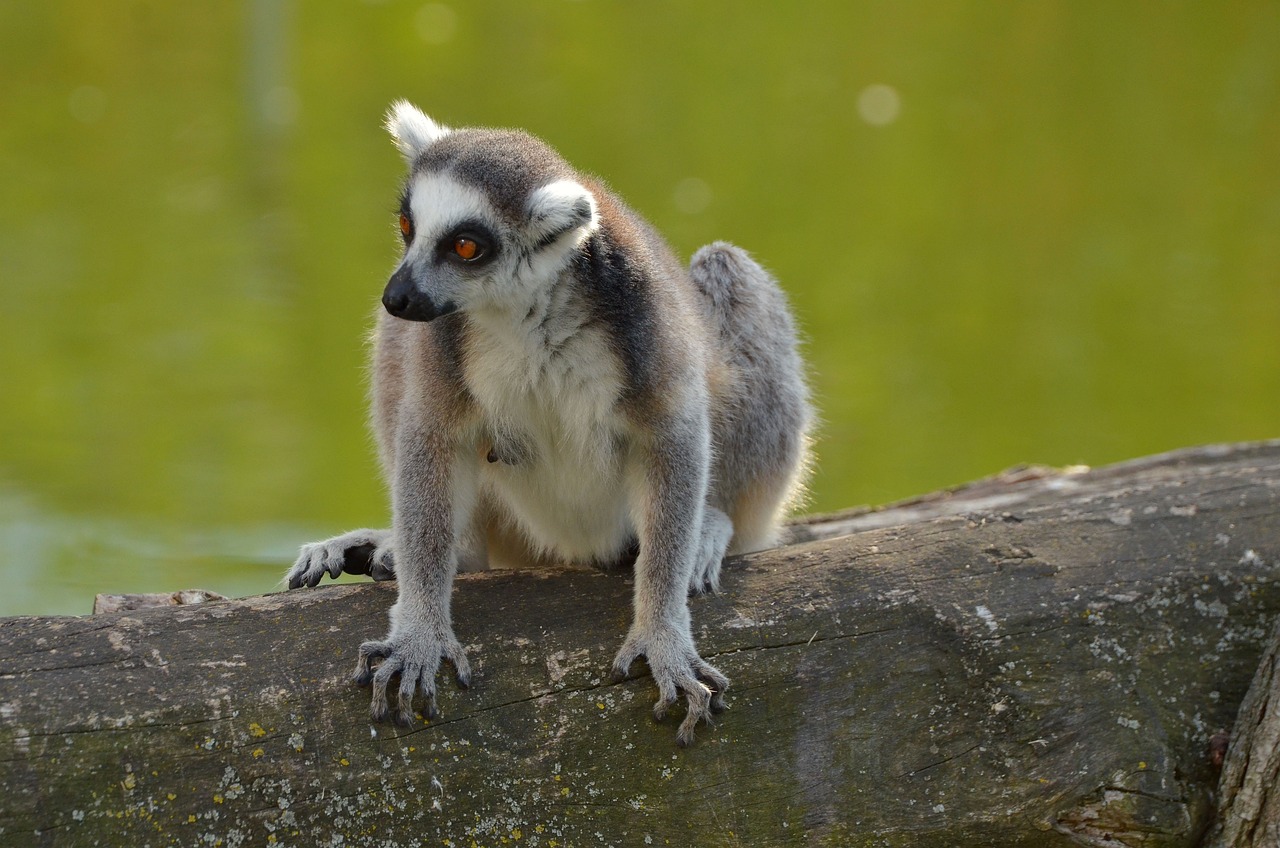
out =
column 403, row 299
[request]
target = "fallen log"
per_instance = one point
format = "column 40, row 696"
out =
column 1038, row 659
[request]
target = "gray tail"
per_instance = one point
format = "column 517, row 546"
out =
column 736, row 288
column 762, row 445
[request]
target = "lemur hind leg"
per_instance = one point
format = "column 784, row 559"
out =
column 717, row 530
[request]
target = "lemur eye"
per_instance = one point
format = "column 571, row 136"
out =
column 406, row 226
column 470, row 244
column 466, row 249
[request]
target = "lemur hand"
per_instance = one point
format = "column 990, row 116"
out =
column 676, row 668
column 414, row 654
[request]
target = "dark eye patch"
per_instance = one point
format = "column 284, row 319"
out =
column 470, row 243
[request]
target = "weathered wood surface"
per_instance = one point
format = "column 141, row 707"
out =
column 1249, row 792
column 1038, row 660
column 123, row 603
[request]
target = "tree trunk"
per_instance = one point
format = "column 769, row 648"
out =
column 1035, row 660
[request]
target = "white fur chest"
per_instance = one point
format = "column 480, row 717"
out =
column 548, row 393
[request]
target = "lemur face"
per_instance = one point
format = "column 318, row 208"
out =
column 453, row 244
column 484, row 215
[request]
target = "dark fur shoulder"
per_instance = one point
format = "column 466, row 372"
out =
column 621, row 299
column 640, row 292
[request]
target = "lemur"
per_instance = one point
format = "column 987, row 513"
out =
column 547, row 374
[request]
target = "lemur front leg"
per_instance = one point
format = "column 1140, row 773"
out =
column 433, row 492
column 671, row 514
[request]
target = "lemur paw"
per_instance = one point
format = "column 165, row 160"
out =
column 358, row 552
column 416, row 660
column 676, row 668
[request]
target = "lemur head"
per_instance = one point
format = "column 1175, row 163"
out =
column 484, row 214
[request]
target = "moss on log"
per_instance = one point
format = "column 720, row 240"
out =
column 1036, row 660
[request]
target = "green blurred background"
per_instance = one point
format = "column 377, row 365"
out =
column 1013, row 232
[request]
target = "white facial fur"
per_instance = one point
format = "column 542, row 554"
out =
column 438, row 203
column 564, row 211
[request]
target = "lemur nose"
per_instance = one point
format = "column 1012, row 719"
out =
column 395, row 302
column 401, row 297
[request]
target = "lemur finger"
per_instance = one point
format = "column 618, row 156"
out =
column 716, row 682
column 391, row 665
column 699, row 709
column 430, row 709
column 667, row 695
column 707, row 672
column 374, row 649
column 685, row 733
column 461, row 666
column 382, row 566
column 409, row 685
column 294, row 578
column 389, row 668
column 369, row 651
column 333, row 563
column 312, row 571
column 622, row 663
column 378, row 706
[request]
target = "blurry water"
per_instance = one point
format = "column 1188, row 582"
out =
column 1045, row 232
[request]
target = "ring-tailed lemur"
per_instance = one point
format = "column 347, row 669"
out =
column 546, row 372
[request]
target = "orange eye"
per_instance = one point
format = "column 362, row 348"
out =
column 406, row 226
column 466, row 248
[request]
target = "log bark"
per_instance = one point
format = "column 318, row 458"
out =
column 1035, row 660
column 1249, row 792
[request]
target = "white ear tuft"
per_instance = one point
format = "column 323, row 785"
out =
column 559, row 208
column 412, row 130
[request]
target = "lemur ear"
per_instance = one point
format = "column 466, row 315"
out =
column 560, row 208
column 412, row 130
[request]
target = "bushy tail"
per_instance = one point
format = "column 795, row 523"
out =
column 728, row 276
column 762, row 440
